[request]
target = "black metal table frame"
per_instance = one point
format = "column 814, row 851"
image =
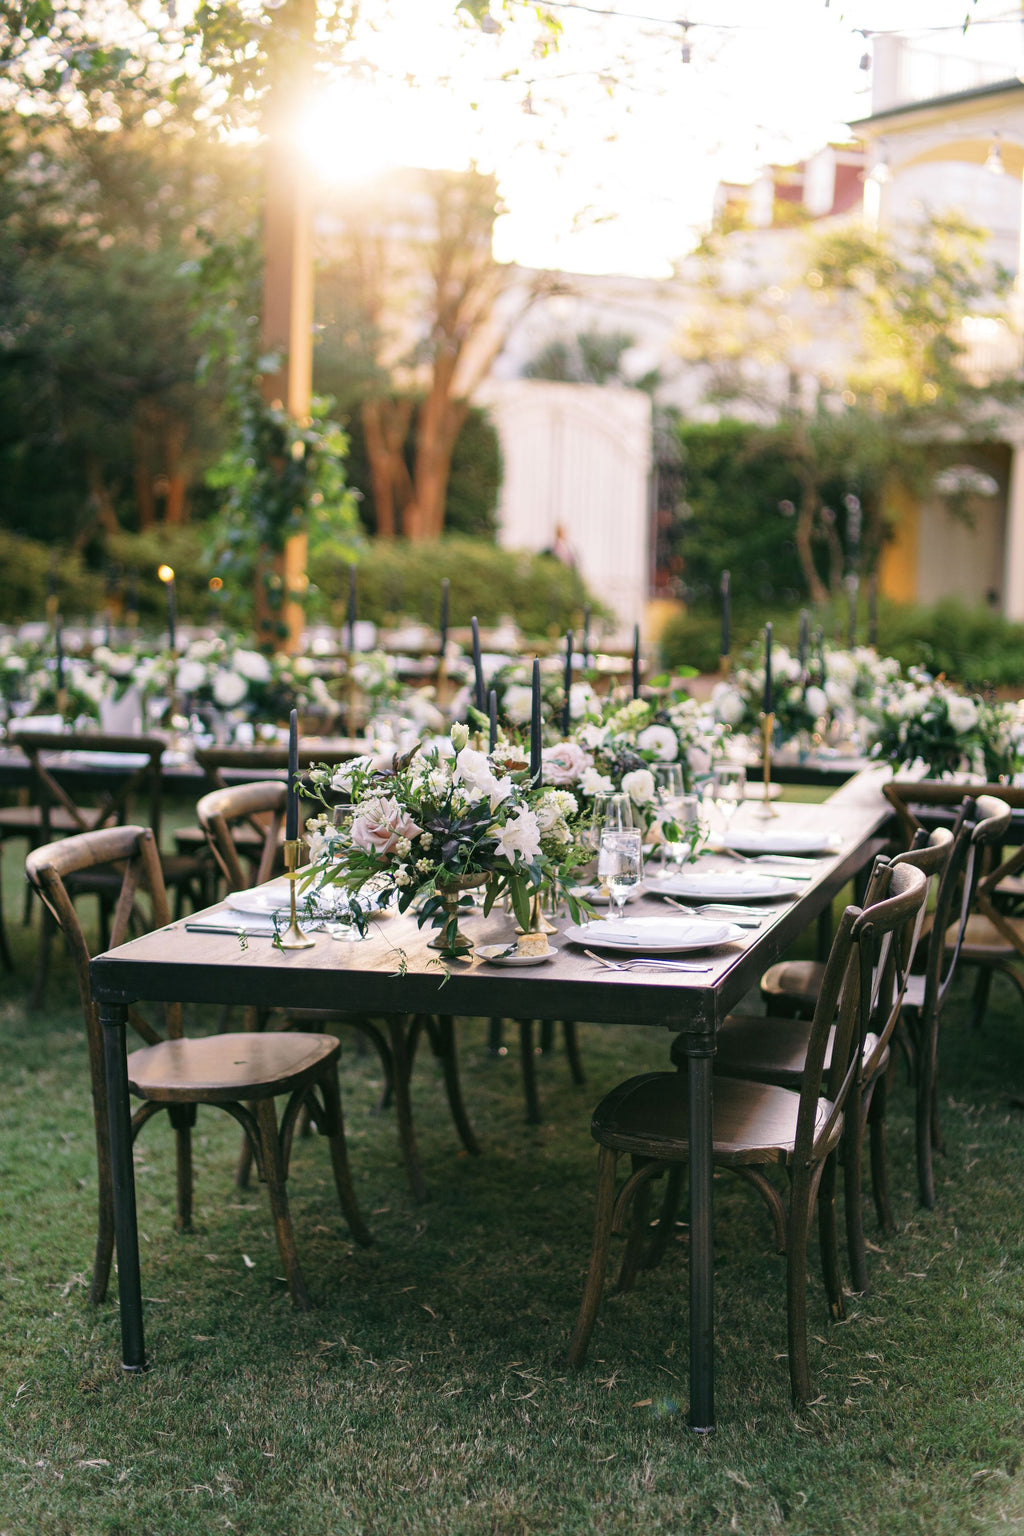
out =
column 685, row 1005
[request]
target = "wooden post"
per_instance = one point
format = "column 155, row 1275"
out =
column 287, row 321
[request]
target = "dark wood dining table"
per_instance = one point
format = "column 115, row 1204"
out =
column 175, row 965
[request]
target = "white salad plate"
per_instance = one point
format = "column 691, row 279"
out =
column 641, row 935
column 496, row 954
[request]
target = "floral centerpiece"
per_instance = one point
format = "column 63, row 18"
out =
column 619, row 748
column 924, row 720
column 855, row 682
column 801, row 704
column 512, row 685
column 437, row 824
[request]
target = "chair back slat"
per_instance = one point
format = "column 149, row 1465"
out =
column 846, row 997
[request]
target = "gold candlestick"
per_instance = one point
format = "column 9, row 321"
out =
column 767, row 809
column 293, row 936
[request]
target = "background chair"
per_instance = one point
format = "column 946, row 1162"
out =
column 756, row 1126
column 241, row 1075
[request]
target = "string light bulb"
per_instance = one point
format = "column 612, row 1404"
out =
column 686, row 50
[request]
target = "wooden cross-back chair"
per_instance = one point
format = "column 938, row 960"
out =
column 757, row 1126
column 993, row 940
column 774, row 1049
column 982, row 825
column 258, row 807
column 241, row 1075
column 118, row 771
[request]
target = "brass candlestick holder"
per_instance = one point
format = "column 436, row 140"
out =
column 767, row 809
column 539, row 921
column 293, row 936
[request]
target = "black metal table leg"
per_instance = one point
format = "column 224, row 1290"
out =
column 529, row 1070
column 114, row 1018
column 702, row 1248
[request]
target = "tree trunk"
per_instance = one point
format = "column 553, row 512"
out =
column 437, row 426
column 385, row 425
column 803, row 539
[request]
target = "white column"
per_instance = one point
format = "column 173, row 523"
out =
column 1013, row 580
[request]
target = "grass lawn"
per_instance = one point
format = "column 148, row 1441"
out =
column 427, row 1391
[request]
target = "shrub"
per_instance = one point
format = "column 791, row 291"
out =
column 397, row 578
column 24, row 567
column 973, row 646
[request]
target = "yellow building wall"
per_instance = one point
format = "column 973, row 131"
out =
column 900, row 561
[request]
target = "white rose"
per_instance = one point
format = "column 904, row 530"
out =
column 518, row 704
column 594, row 783
column 816, row 700
column 342, row 779
column 520, row 836
column 639, row 786
column 460, row 736
column 963, row 713
column 661, row 741
column 190, row 676
column 229, row 688
column 593, row 736
column 728, row 705
column 253, row 666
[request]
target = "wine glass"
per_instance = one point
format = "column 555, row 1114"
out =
column 668, row 782
column 612, row 812
column 728, row 789
column 620, row 865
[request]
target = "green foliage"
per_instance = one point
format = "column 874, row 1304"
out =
column 25, row 565
column 99, row 242
column 400, row 578
column 973, row 646
column 735, row 479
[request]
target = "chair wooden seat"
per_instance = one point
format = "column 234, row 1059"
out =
column 983, row 941
column 22, row 820
column 753, row 1122
column 222, row 1068
column 792, row 984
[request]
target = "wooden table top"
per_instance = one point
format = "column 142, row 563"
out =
column 393, row 970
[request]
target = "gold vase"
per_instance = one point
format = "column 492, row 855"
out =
column 450, row 889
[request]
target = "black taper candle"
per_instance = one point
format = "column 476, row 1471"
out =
column 58, row 640
column 873, row 611
column 586, row 636
column 819, row 641
column 131, row 613
column 291, row 807
column 352, row 611
column 443, row 626
column 535, row 727
column 492, row 717
column 852, row 590
column 172, row 615
column 636, row 661
column 479, row 694
column 802, row 650
column 726, row 640
column 767, row 702
column 567, row 683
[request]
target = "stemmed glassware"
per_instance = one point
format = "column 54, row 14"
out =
column 728, row 789
column 620, row 867
column 668, row 780
column 612, row 812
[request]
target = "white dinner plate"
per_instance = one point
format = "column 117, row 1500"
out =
column 642, row 935
column 262, row 899
column 495, row 954
column 755, row 841
column 725, row 885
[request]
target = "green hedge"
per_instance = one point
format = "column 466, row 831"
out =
column 24, row 567
column 974, row 646
column 397, row 579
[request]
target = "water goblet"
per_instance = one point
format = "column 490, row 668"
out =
column 728, row 789
column 668, row 784
column 620, row 864
column 612, row 812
